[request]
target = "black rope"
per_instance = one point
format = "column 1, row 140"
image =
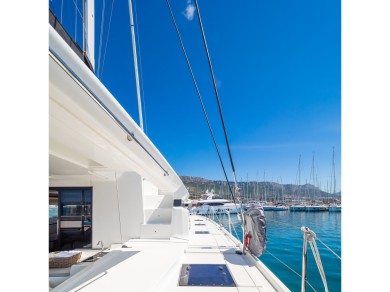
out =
column 214, row 84
column 200, row 100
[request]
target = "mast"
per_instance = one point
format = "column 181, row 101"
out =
column 136, row 65
column 313, row 177
column 333, row 179
column 299, row 178
column 334, row 175
column 282, row 192
column 264, row 187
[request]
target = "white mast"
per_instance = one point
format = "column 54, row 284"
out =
column 89, row 30
column 136, row 65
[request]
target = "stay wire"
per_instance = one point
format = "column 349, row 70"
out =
column 200, row 100
column 75, row 2
column 140, row 68
column 101, row 38
column 108, row 35
column 215, row 86
column 222, row 119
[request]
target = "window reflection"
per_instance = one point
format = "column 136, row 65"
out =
column 74, row 212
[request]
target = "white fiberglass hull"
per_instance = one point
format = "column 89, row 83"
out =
column 216, row 210
column 316, row 208
column 297, row 208
column 334, row 209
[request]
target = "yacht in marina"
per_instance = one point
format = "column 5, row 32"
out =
column 215, row 204
column 118, row 221
column 334, row 208
column 297, row 208
column 280, row 207
column 316, row 208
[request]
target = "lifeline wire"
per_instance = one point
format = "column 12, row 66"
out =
column 289, row 268
column 329, row 248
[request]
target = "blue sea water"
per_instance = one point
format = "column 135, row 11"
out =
column 285, row 242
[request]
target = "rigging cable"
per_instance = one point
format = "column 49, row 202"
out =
column 237, row 190
column 200, row 100
column 75, row 21
column 77, row 9
column 279, row 260
column 108, row 35
column 140, row 68
column 289, row 268
column 216, row 91
column 101, row 37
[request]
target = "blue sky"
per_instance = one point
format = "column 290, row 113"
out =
column 278, row 71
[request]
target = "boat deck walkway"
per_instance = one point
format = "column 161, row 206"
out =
column 155, row 265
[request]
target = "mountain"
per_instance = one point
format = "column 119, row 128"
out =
column 256, row 190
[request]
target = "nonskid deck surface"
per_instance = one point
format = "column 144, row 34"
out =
column 155, row 265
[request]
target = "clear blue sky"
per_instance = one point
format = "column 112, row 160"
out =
column 278, row 70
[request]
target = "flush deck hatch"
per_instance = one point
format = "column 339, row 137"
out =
column 206, row 275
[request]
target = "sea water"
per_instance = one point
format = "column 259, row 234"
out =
column 283, row 254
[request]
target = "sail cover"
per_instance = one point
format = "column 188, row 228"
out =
column 255, row 230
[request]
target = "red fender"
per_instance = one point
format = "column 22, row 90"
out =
column 247, row 240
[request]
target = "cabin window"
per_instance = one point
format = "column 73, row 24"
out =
column 74, row 218
column 53, row 219
column 215, row 204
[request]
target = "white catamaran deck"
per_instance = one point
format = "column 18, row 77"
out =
column 155, row 265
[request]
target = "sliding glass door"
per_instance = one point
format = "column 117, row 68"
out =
column 75, row 217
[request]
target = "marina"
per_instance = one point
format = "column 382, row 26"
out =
column 120, row 216
column 284, row 247
column 221, row 206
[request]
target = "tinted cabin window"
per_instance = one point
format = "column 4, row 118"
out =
column 74, row 218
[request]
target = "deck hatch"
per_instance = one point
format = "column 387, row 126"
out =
column 206, row 275
column 202, row 232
